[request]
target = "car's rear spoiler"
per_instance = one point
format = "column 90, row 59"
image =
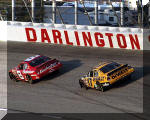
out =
column 118, row 69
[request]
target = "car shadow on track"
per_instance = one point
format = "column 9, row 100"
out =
column 67, row 66
column 138, row 74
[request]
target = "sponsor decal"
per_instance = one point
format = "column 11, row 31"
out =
column 82, row 38
column 28, row 72
column 120, row 73
column 99, row 78
column 102, row 78
column 33, row 75
column 48, row 67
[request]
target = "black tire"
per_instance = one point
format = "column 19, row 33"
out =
column 129, row 77
column 29, row 78
column 86, row 88
column 100, row 87
column 13, row 77
column 81, row 84
column 57, row 71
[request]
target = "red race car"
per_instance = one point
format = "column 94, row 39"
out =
column 34, row 68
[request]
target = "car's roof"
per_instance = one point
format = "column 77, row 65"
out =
column 102, row 65
column 32, row 58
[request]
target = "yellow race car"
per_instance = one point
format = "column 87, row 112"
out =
column 105, row 74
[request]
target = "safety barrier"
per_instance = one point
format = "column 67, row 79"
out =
column 77, row 35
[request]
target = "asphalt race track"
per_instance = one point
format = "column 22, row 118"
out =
column 61, row 93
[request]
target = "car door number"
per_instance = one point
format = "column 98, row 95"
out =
column 20, row 75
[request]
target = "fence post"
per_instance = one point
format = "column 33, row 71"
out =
column 54, row 11
column 96, row 12
column 149, row 12
column 33, row 10
column 13, row 9
column 122, row 13
column 76, row 12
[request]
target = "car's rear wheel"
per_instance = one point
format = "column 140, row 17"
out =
column 29, row 78
column 13, row 77
column 129, row 77
column 57, row 71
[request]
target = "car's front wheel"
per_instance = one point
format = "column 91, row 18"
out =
column 81, row 83
column 29, row 78
column 100, row 87
column 12, row 77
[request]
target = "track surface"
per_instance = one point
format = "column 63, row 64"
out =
column 61, row 93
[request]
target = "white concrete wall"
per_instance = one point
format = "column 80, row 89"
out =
column 3, row 31
column 90, row 36
column 80, row 35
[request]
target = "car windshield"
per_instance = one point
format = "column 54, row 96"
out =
column 39, row 61
column 109, row 67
